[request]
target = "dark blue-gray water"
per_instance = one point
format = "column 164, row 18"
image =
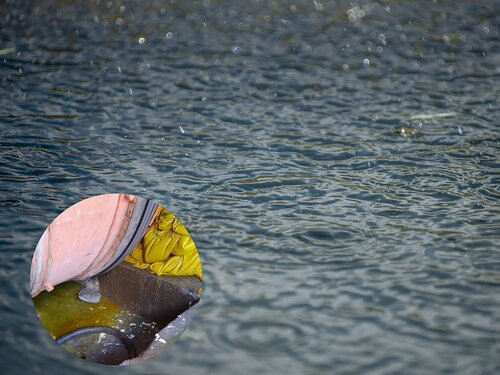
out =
column 336, row 162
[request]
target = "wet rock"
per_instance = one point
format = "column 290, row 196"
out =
column 89, row 295
column 91, row 283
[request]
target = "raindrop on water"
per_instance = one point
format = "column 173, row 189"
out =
column 355, row 14
column 366, row 62
column 318, row 6
column 236, row 50
column 169, row 35
column 142, row 40
column 182, row 130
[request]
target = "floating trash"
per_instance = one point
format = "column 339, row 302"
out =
column 407, row 131
column 433, row 116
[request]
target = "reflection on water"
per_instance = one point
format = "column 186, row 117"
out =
column 335, row 162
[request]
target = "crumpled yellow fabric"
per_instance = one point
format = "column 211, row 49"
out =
column 166, row 248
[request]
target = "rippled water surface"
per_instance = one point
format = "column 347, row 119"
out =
column 336, row 162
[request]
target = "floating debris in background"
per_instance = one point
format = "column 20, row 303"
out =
column 407, row 131
column 7, row 51
column 433, row 116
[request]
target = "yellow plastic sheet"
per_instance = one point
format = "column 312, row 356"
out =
column 167, row 248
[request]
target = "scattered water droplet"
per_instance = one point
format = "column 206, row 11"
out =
column 169, row 35
column 366, row 62
column 131, row 93
column 319, row 7
column 119, row 69
column 142, row 40
column 355, row 14
column 460, row 130
column 203, row 99
column 182, row 130
column 236, row 50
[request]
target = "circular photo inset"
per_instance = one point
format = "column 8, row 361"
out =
column 115, row 279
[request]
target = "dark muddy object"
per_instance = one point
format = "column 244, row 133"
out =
column 85, row 331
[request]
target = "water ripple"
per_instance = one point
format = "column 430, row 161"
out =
column 338, row 172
